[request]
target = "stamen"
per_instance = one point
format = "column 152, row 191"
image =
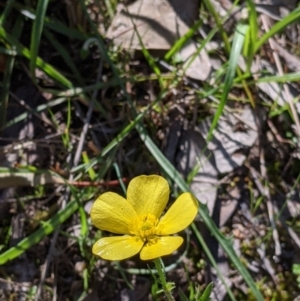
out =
column 145, row 228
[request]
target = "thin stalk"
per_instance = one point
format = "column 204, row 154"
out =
column 5, row 91
column 163, row 280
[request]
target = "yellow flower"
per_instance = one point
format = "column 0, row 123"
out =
column 139, row 218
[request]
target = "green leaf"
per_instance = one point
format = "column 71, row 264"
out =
column 237, row 44
column 205, row 296
column 47, row 68
column 182, row 295
column 45, row 229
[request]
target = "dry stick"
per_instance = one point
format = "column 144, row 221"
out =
column 86, row 123
column 67, row 194
column 294, row 236
column 280, row 72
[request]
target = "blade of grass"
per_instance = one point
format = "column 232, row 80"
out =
column 86, row 160
column 147, row 55
column 212, row 260
column 219, row 23
column 228, row 50
column 119, row 176
column 205, row 296
column 251, row 34
column 4, row 96
column 199, row 49
column 66, row 94
column 180, row 42
column 65, row 55
column 45, row 229
column 7, row 8
column 237, row 44
column 109, row 8
column 54, row 25
column 278, row 27
column 182, row 296
column 174, row 175
column 5, row 90
column 47, row 68
column 38, row 109
column 52, row 224
column 289, row 77
column 36, row 34
column 119, row 138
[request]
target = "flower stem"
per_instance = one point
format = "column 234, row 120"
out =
column 163, row 280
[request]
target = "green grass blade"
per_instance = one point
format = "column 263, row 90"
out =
column 116, row 141
column 180, row 42
column 251, row 34
column 47, row 68
column 182, row 296
column 110, row 8
column 86, row 160
column 288, row 77
column 278, row 27
column 4, row 95
column 7, row 8
column 237, row 44
column 199, row 49
column 119, row 138
column 205, row 296
column 45, row 229
column 64, row 54
column 36, row 34
column 53, row 24
column 65, row 95
column 147, row 55
column 219, row 23
column 38, row 109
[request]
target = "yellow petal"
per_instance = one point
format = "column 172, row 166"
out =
column 179, row 216
column 113, row 213
column 164, row 246
column 117, row 247
column 148, row 194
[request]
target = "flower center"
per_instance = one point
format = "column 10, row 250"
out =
column 146, row 228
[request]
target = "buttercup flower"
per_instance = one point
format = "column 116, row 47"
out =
column 139, row 219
